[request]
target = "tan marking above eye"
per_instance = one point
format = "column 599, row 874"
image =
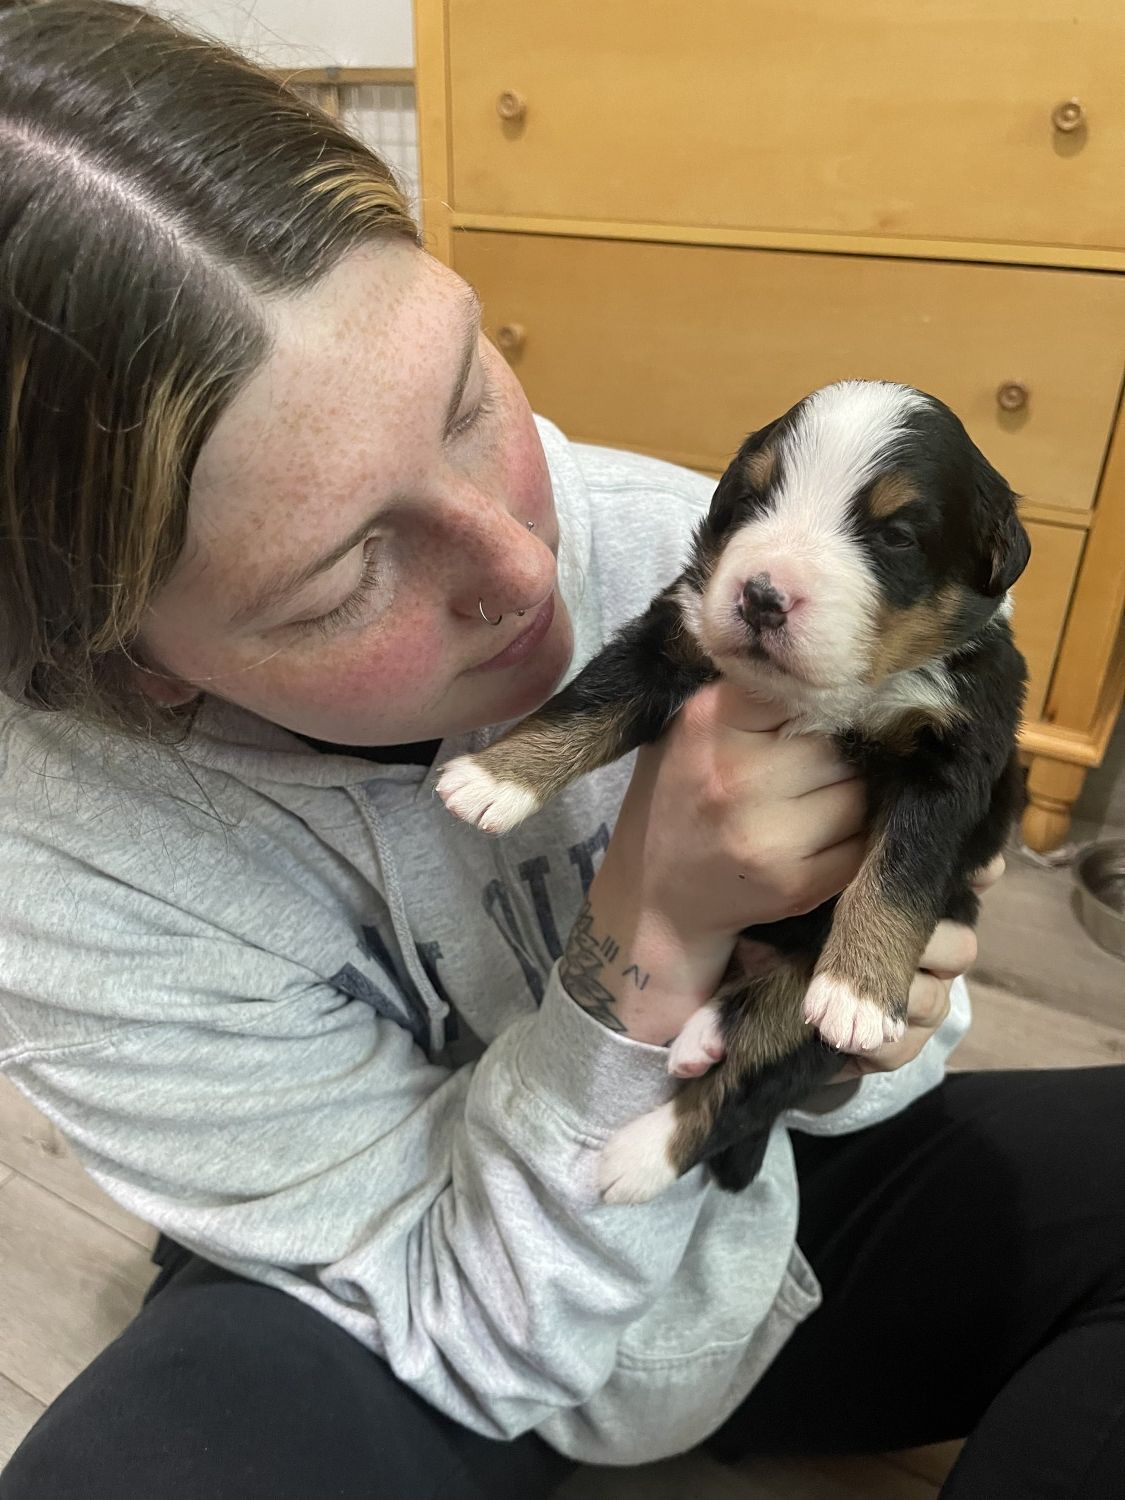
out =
column 889, row 493
column 760, row 467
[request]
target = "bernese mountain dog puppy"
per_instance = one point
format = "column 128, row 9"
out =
column 855, row 566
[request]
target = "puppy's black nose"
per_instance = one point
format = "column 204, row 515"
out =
column 762, row 606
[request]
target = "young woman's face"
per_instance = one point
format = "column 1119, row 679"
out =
column 341, row 539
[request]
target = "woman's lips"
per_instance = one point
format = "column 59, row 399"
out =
column 525, row 643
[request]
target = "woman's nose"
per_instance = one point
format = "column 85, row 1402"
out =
column 495, row 558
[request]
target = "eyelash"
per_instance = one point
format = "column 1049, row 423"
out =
column 351, row 610
column 484, row 407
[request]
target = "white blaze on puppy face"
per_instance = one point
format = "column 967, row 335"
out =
column 804, row 539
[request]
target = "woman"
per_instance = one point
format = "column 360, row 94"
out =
column 280, row 536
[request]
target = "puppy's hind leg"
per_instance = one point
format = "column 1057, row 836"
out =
column 761, row 1028
column 700, row 1044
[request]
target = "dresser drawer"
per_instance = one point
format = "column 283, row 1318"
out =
column 874, row 118
column 680, row 350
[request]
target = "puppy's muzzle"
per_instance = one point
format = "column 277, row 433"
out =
column 764, row 606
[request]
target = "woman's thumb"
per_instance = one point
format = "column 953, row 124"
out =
column 734, row 707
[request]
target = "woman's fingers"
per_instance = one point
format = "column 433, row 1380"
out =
column 734, row 708
column 825, row 874
column 821, row 819
column 928, row 1002
column 927, row 1008
column 987, row 877
column 952, row 950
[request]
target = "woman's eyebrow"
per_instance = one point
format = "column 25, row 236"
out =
column 277, row 589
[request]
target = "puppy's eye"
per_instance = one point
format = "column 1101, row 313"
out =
column 897, row 536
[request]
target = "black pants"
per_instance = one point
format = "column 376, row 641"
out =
column 972, row 1254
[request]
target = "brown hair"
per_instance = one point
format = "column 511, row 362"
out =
column 156, row 185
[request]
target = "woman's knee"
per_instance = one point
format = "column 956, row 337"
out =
column 229, row 1389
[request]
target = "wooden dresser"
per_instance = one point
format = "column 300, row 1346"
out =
column 682, row 215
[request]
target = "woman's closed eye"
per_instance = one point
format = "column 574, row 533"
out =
column 351, row 611
column 486, row 404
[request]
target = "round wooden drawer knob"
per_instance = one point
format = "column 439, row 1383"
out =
column 511, row 106
column 1068, row 116
column 510, row 337
column 1013, row 395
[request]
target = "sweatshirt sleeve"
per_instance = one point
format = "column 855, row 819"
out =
column 256, row 1115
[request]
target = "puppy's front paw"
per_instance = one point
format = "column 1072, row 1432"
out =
column 847, row 1021
column 476, row 796
column 699, row 1046
column 635, row 1165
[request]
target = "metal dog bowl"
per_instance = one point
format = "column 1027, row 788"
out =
column 1099, row 875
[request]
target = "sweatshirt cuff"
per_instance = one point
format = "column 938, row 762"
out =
column 595, row 1078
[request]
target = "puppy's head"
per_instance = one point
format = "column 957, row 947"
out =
column 861, row 534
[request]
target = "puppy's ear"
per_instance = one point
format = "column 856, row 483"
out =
column 1007, row 546
column 757, row 443
column 1011, row 551
column 742, row 479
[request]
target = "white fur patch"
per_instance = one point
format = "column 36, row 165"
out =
column 475, row 796
column 845, row 1020
column 870, row 709
column 635, row 1166
column 837, row 445
column 699, row 1046
column 691, row 609
column 839, row 441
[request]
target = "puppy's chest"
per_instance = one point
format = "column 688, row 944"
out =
column 876, row 714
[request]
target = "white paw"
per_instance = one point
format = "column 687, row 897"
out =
column 635, row 1165
column 846, row 1021
column 475, row 796
column 699, row 1046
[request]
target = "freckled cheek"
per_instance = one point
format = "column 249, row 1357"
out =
column 401, row 669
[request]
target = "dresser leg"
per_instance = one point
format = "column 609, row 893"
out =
column 1052, row 790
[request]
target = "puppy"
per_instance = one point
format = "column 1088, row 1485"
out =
column 855, row 566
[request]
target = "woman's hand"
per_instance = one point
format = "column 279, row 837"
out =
column 951, row 951
column 726, row 823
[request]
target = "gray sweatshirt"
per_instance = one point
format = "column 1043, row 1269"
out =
column 289, row 1011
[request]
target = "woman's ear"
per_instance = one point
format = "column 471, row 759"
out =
column 169, row 692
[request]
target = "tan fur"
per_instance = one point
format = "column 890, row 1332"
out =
column 545, row 757
column 890, row 493
column 770, row 1026
column 910, row 637
column 901, row 737
column 874, row 946
column 760, row 467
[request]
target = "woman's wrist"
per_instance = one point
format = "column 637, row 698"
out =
column 629, row 970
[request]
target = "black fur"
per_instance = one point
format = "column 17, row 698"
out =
column 954, row 800
column 943, row 788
